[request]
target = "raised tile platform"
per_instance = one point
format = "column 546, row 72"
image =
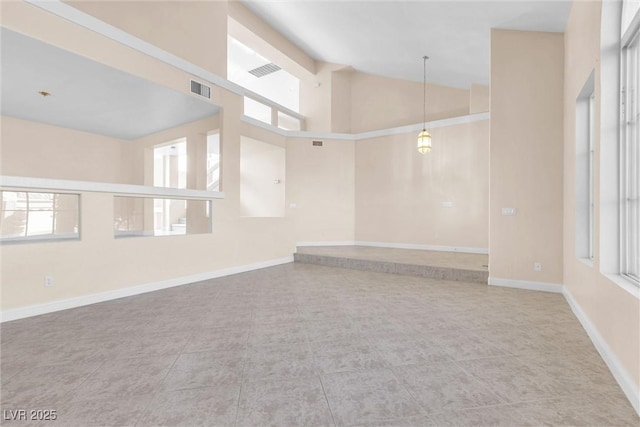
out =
column 461, row 267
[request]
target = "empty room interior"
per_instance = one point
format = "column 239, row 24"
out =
column 301, row 213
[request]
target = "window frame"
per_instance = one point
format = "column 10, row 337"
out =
column 52, row 236
column 629, row 135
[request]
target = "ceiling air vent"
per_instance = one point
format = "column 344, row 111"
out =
column 264, row 70
column 317, row 143
column 200, row 89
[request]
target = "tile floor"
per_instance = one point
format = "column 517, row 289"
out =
column 302, row 344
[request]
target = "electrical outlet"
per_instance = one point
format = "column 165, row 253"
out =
column 537, row 266
column 508, row 211
column 48, row 281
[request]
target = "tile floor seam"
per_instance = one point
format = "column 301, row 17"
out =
column 100, row 365
column 415, row 398
column 244, row 364
column 480, row 381
column 164, row 378
column 327, row 400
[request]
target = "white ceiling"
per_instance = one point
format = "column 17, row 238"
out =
column 87, row 95
column 389, row 38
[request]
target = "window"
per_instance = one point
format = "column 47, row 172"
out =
column 251, row 70
column 213, row 161
column 38, row 216
column 585, row 201
column 257, row 110
column 147, row 216
column 170, row 164
column 630, row 158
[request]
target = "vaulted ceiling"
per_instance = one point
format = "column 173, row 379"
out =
column 389, row 38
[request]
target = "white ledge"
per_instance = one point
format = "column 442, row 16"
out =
column 32, row 183
column 452, row 121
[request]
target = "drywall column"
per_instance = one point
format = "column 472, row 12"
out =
column 526, row 157
column 197, row 219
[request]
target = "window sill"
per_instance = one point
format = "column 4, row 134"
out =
column 586, row 261
column 624, row 283
column 39, row 239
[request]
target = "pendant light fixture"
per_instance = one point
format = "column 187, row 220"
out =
column 424, row 137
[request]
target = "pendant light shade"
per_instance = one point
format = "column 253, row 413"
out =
column 424, row 142
column 424, row 137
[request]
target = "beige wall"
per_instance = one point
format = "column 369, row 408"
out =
column 526, row 155
column 317, row 98
column 320, row 182
column 37, row 149
column 399, row 192
column 479, row 101
column 613, row 311
column 372, row 95
column 341, row 100
column 193, row 30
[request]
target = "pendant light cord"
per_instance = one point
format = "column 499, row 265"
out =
column 424, row 94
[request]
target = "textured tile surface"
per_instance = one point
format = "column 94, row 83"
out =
column 368, row 396
column 303, row 344
column 284, row 403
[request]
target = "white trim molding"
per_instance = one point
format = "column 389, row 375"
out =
column 526, row 284
column 328, row 243
column 27, row 182
column 463, row 249
column 626, row 383
column 53, row 306
column 452, row 121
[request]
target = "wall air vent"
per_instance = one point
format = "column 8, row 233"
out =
column 264, row 70
column 200, row 89
column 317, row 143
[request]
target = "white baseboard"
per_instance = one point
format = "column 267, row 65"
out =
column 525, row 284
column 50, row 307
column 328, row 243
column 626, row 383
column 463, row 249
column 398, row 246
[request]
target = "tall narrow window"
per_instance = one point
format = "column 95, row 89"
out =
column 585, row 152
column 213, row 161
column 170, row 170
column 630, row 160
